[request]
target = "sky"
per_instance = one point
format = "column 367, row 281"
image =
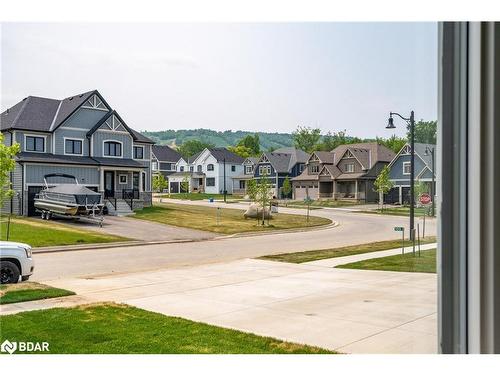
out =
column 269, row 77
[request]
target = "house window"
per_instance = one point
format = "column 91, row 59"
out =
column 210, row 167
column 233, row 168
column 112, row 148
column 199, row 168
column 122, row 179
column 138, row 152
column 242, row 184
column 210, row 181
column 349, row 168
column 181, row 168
column 191, row 168
column 301, row 168
column 315, row 168
column 248, row 169
column 154, row 165
column 73, row 146
column 143, row 181
column 265, row 169
column 36, row 144
column 406, row 167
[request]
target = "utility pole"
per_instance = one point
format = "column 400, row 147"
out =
column 224, row 180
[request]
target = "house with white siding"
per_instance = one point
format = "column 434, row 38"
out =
column 209, row 171
column 81, row 136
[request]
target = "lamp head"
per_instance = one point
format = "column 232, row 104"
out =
column 390, row 123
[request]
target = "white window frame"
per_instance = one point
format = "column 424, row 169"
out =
column 109, row 156
column 248, row 169
column 120, row 179
column 210, row 167
column 206, row 182
column 38, row 136
column 349, row 168
column 405, row 164
column 133, row 152
column 73, row 139
column 154, row 165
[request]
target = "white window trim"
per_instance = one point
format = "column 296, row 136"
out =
column 153, row 164
column 39, row 136
column 73, row 139
column 405, row 163
column 109, row 156
column 248, row 169
column 349, row 170
column 120, row 177
column 143, row 152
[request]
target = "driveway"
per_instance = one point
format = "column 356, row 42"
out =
column 142, row 230
column 350, row 311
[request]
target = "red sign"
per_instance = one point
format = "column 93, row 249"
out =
column 425, row 198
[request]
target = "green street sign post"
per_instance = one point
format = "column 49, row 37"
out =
column 402, row 230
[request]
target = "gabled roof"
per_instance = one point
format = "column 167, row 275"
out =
column 252, row 159
column 46, row 115
column 166, row 154
column 419, row 152
column 368, row 154
column 283, row 159
column 324, row 157
column 220, row 154
column 41, row 114
column 279, row 161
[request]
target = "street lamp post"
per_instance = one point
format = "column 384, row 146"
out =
column 411, row 122
column 430, row 150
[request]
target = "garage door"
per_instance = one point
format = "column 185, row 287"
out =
column 301, row 192
column 32, row 192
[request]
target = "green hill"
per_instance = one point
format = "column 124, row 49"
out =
column 218, row 138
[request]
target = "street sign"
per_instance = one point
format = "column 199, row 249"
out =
column 425, row 198
column 399, row 229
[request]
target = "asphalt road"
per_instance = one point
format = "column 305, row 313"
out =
column 354, row 228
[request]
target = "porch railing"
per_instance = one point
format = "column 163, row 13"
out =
column 128, row 195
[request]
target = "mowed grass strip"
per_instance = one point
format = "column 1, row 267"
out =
column 408, row 262
column 312, row 255
column 29, row 291
column 230, row 220
column 399, row 211
column 39, row 233
column 121, row 329
column 199, row 196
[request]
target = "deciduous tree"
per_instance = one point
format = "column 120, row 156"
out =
column 382, row 184
column 7, row 165
column 306, row 138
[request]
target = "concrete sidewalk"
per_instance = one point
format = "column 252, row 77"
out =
column 350, row 311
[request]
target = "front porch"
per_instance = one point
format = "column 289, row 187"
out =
column 120, row 186
column 186, row 182
column 351, row 190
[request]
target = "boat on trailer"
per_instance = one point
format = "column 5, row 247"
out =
column 70, row 200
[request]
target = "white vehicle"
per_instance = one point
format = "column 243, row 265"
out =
column 15, row 261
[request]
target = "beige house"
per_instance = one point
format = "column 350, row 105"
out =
column 347, row 172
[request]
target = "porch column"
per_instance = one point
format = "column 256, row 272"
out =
column 355, row 189
column 334, row 189
column 101, row 179
column 140, row 181
column 400, row 194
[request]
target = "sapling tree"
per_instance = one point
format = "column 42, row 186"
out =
column 383, row 184
column 263, row 194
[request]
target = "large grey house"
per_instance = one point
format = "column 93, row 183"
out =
column 81, row 136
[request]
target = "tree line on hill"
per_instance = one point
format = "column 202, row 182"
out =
column 304, row 138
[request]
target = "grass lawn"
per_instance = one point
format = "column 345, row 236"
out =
column 309, row 256
column 27, row 291
column 322, row 203
column 38, row 233
column 111, row 328
column 230, row 220
column 426, row 262
column 399, row 211
column 200, row 196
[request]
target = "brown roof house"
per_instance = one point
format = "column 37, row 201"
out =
column 347, row 172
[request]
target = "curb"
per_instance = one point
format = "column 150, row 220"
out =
column 59, row 249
